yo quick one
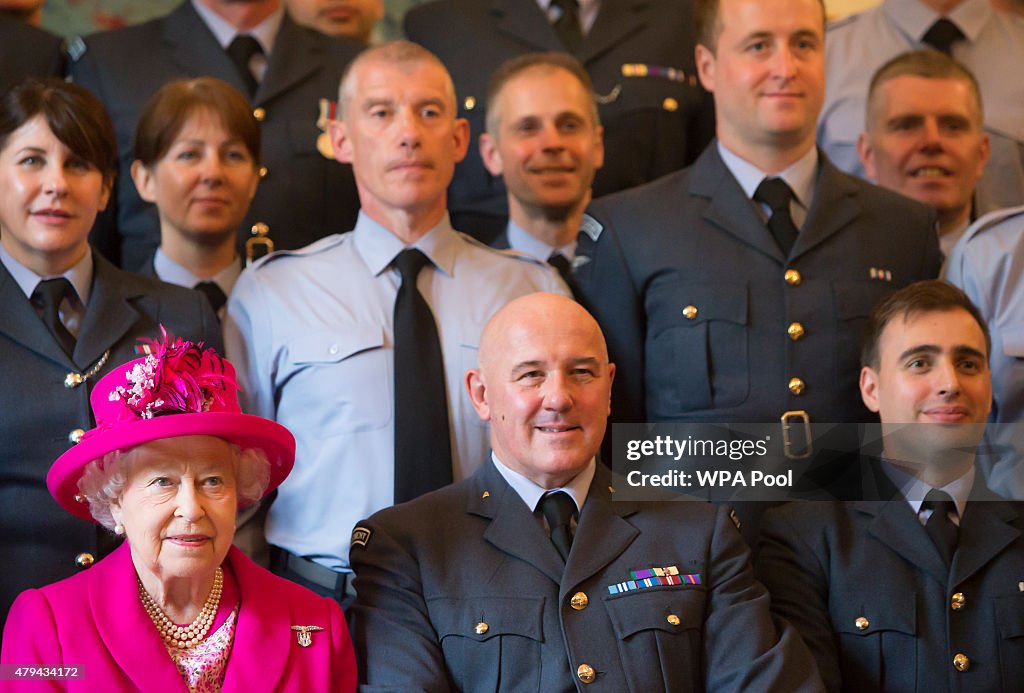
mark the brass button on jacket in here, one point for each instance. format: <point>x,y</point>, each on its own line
<point>579,601</point>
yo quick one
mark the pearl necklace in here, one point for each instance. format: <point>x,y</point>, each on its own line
<point>194,633</point>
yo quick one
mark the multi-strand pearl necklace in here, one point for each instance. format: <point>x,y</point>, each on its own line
<point>194,633</point>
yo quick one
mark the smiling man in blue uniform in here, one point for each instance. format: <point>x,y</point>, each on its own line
<point>528,577</point>
<point>915,585</point>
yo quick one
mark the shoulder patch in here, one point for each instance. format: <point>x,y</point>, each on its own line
<point>591,227</point>
<point>361,535</point>
<point>76,49</point>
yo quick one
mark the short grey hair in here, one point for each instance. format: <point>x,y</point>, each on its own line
<point>104,480</point>
<point>405,55</point>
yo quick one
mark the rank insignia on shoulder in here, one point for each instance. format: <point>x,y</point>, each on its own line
<point>735,518</point>
<point>361,535</point>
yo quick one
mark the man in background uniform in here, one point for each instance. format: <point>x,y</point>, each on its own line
<point>639,57</point>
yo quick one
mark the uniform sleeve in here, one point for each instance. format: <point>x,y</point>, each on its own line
<point>605,287</point>
<point>746,647</point>
<point>248,342</point>
<point>30,639</point>
<point>343,665</point>
<point>798,584</point>
<point>396,646</point>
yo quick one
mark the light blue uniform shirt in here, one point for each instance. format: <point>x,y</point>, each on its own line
<point>988,264</point>
<point>310,332</point>
<point>993,49</point>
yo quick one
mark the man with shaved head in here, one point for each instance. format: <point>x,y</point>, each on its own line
<point>510,580</point>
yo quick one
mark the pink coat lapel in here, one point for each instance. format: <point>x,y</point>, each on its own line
<point>124,626</point>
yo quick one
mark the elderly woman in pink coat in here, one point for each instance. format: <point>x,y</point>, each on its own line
<point>176,607</point>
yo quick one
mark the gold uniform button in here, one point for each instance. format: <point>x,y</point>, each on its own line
<point>796,386</point>
<point>73,380</point>
<point>76,435</point>
<point>469,103</point>
<point>579,601</point>
<point>260,114</point>
<point>84,560</point>
<point>670,105</point>
<point>958,601</point>
<point>795,331</point>
<point>481,628</point>
<point>862,623</point>
<point>792,277</point>
<point>672,619</point>
<point>961,662</point>
<point>690,312</point>
<point>585,672</point>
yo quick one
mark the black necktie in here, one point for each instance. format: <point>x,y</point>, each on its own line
<point>561,263</point>
<point>567,26</point>
<point>942,35</point>
<point>241,50</point>
<point>940,528</point>
<point>777,195</point>
<point>559,509</point>
<point>423,453</point>
<point>47,295</point>
<point>214,294</point>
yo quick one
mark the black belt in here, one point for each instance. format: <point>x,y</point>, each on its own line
<point>310,570</point>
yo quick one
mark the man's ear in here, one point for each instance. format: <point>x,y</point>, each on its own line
<point>705,67</point>
<point>869,388</point>
<point>491,156</point>
<point>340,141</point>
<point>477,389</point>
<point>866,153</point>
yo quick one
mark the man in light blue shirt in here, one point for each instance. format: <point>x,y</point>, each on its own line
<point>990,44</point>
<point>312,332</point>
<point>988,264</point>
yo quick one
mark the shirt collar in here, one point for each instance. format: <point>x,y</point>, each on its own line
<point>265,32</point>
<point>80,275</point>
<point>914,490</point>
<point>524,242</point>
<point>170,271</point>
<point>379,247</point>
<point>531,493</point>
<point>914,19</point>
<point>801,176</point>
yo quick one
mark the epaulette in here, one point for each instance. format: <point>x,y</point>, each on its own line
<point>841,22</point>
<point>313,248</point>
<point>991,221</point>
<point>503,252</point>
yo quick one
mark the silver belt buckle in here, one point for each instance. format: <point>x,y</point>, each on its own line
<point>788,419</point>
